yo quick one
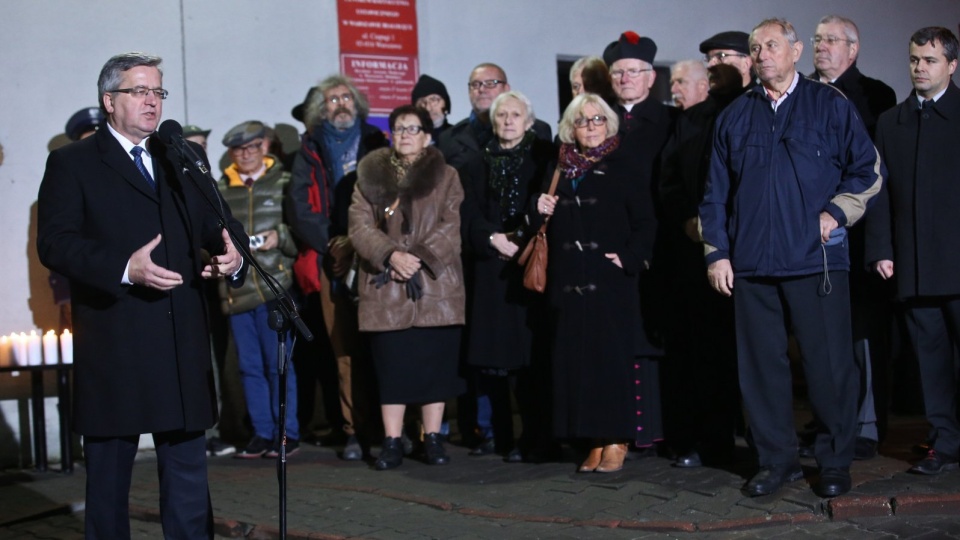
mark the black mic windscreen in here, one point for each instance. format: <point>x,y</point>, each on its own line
<point>170,131</point>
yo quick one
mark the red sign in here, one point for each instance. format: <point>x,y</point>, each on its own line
<point>378,49</point>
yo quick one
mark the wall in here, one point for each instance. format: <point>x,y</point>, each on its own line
<point>229,61</point>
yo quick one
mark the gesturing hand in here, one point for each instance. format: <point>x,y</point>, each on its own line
<point>142,271</point>
<point>224,265</point>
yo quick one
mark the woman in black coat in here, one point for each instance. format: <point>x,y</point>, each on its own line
<point>504,321</point>
<point>600,215</point>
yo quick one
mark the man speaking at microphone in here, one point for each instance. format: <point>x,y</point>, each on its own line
<point>119,217</point>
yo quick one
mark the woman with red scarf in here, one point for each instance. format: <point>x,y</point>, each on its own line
<point>599,217</point>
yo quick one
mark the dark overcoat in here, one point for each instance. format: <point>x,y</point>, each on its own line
<point>914,221</point>
<point>142,356</point>
<point>597,303</point>
<point>500,324</point>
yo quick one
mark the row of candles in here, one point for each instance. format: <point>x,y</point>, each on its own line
<point>35,350</point>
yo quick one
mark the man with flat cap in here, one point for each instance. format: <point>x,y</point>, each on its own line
<point>645,124</point>
<point>254,185</point>
<point>730,48</point>
<point>196,134</point>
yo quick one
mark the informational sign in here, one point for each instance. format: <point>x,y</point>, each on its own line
<point>379,51</point>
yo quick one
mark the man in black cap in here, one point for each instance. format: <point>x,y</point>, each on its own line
<point>645,123</point>
<point>431,95</point>
<point>83,123</point>
<point>730,48</point>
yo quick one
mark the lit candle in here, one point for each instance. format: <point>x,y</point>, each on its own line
<point>19,349</point>
<point>35,349</point>
<point>66,347</point>
<point>5,352</point>
<point>50,347</point>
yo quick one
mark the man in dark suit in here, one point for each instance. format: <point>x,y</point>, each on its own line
<point>912,229</point>
<point>119,218</point>
<point>836,47</point>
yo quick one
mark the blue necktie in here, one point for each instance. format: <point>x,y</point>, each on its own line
<point>138,161</point>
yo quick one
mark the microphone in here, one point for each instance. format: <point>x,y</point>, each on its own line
<point>171,134</point>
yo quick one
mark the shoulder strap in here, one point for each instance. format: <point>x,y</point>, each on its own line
<point>553,183</point>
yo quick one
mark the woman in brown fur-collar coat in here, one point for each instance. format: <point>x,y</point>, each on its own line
<point>405,226</point>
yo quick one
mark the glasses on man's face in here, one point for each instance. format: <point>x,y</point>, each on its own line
<point>342,98</point>
<point>597,121</point>
<point>722,56</point>
<point>631,73</point>
<point>829,40</point>
<point>141,92</point>
<point>249,148</point>
<point>413,130</point>
<point>489,83</point>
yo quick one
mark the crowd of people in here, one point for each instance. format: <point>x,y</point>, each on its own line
<point>687,244</point>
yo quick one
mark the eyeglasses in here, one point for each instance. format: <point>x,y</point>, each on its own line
<point>251,147</point>
<point>342,98</point>
<point>597,121</point>
<point>631,73</point>
<point>141,92</point>
<point>831,40</point>
<point>413,130</point>
<point>489,83</point>
<point>721,56</point>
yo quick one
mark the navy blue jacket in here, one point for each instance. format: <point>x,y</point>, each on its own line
<point>773,173</point>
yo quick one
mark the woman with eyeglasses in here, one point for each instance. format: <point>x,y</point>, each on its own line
<point>505,319</point>
<point>598,219</point>
<point>405,226</point>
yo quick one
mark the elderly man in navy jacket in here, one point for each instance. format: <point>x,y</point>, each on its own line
<point>792,167</point>
<point>911,234</point>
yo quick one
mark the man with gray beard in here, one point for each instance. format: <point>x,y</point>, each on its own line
<point>337,138</point>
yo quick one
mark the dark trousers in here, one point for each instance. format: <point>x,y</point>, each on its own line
<point>933,324</point>
<point>821,325</point>
<point>185,510</point>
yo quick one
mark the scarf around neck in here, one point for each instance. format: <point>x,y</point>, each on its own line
<point>504,165</point>
<point>574,163</point>
<point>340,148</point>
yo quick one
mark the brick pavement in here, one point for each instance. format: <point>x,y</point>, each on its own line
<point>486,498</point>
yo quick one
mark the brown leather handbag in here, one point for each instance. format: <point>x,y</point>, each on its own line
<point>534,255</point>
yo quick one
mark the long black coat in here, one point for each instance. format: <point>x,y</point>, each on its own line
<point>914,221</point>
<point>500,326</point>
<point>142,356</point>
<point>597,303</point>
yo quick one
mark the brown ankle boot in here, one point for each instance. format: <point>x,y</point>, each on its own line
<point>612,459</point>
<point>592,461</point>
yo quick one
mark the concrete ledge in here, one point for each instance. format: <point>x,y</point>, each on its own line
<point>916,505</point>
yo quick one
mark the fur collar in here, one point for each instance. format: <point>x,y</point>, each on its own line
<point>377,180</point>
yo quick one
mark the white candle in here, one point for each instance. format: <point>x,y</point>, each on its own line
<point>19,349</point>
<point>66,347</point>
<point>35,349</point>
<point>50,347</point>
<point>5,352</point>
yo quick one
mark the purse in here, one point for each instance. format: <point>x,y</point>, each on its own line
<point>534,255</point>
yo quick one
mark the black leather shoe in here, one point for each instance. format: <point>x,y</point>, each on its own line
<point>352,451</point>
<point>806,451</point>
<point>391,456</point>
<point>487,447</point>
<point>433,447</point>
<point>689,460</point>
<point>772,478</point>
<point>833,481</point>
<point>864,449</point>
<point>934,463</point>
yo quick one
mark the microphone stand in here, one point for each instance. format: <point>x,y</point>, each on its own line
<point>280,319</point>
